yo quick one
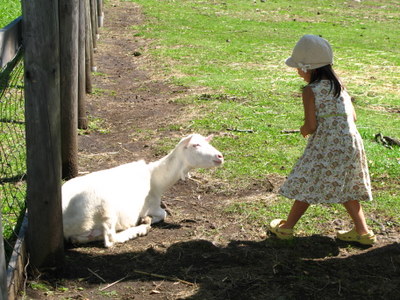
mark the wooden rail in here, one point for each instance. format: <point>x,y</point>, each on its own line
<point>10,41</point>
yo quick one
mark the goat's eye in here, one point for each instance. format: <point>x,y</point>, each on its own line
<point>196,145</point>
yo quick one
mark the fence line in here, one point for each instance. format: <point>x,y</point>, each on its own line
<point>13,118</point>
<point>12,160</point>
<point>3,268</point>
<point>12,150</point>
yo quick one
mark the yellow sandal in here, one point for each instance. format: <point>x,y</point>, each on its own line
<point>353,236</point>
<point>281,233</point>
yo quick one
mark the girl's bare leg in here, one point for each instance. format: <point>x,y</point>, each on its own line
<point>357,214</point>
<point>297,210</point>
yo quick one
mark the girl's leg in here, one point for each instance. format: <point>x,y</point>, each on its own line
<point>297,210</point>
<point>356,213</point>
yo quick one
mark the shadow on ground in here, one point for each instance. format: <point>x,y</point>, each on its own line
<point>306,268</point>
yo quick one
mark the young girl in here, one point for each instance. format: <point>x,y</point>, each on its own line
<point>333,168</point>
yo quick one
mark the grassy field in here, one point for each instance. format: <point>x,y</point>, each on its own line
<point>233,53</point>
<point>9,10</point>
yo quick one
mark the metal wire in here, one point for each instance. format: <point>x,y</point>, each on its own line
<point>12,150</point>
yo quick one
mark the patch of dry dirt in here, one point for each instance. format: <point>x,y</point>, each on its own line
<point>201,251</point>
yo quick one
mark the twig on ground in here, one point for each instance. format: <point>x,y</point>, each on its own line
<point>379,223</point>
<point>164,277</point>
<point>97,275</point>
<point>166,208</point>
<point>26,273</point>
<point>123,148</point>
<point>240,130</point>
<point>111,284</point>
<point>83,172</point>
<point>393,265</point>
<point>100,154</point>
<point>340,288</point>
<point>195,180</point>
<point>290,131</point>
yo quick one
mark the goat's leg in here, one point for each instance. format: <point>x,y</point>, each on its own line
<point>109,233</point>
<point>166,208</point>
<point>146,220</point>
<point>88,236</point>
<point>111,236</point>
<point>157,214</point>
<point>133,232</point>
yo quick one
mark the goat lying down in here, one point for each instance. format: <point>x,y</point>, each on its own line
<point>120,203</point>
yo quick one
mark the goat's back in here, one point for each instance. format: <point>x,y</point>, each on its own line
<point>117,193</point>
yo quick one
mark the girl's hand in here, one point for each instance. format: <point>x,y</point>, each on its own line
<point>303,131</point>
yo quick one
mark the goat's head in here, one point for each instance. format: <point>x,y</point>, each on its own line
<point>198,152</point>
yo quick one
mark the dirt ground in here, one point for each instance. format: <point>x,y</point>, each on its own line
<point>200,251</point>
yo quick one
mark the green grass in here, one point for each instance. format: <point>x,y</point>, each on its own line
<point>9,10</point>
<point>236,49</point>
<point>95,125</point>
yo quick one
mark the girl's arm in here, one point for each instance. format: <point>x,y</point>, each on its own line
<point>354,112</point>
<point>310,119</point>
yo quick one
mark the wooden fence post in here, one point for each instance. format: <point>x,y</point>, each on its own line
<point>100,13</point>
<point>42,113</point>
<point>82,118</point>
<point>93,20</point>
<point>88,48</point>
<point>69,24</point>
<point>3,267</point>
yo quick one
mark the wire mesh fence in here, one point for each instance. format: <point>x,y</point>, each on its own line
<point>12,150</point>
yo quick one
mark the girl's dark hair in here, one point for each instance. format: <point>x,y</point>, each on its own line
<point>326,72</point>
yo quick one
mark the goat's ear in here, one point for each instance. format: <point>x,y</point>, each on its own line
<point>209,138</point>
<point>186,140</point>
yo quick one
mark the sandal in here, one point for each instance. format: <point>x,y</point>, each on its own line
<point>353,236</point>
<point>281,233</point>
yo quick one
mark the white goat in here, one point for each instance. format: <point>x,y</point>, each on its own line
<point>120,203</point>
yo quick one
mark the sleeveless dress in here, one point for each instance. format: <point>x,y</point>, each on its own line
<point>333,167</point>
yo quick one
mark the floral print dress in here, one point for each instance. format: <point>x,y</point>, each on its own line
<point>333,167</point>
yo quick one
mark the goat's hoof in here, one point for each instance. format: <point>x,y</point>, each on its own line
<point>108,245</point>
<point>146,220</point>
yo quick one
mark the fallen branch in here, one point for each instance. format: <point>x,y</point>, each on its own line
<point>290,131</point>
<point>164,277</point>
<point>379,223</point>
<point>111,284</point>
<point>26,273</point>
<point>97,275</point>
<point>241,130</point>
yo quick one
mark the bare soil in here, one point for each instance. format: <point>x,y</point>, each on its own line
<point>201,251</point>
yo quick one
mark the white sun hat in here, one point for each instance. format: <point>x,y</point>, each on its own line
<point>311,52</point>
